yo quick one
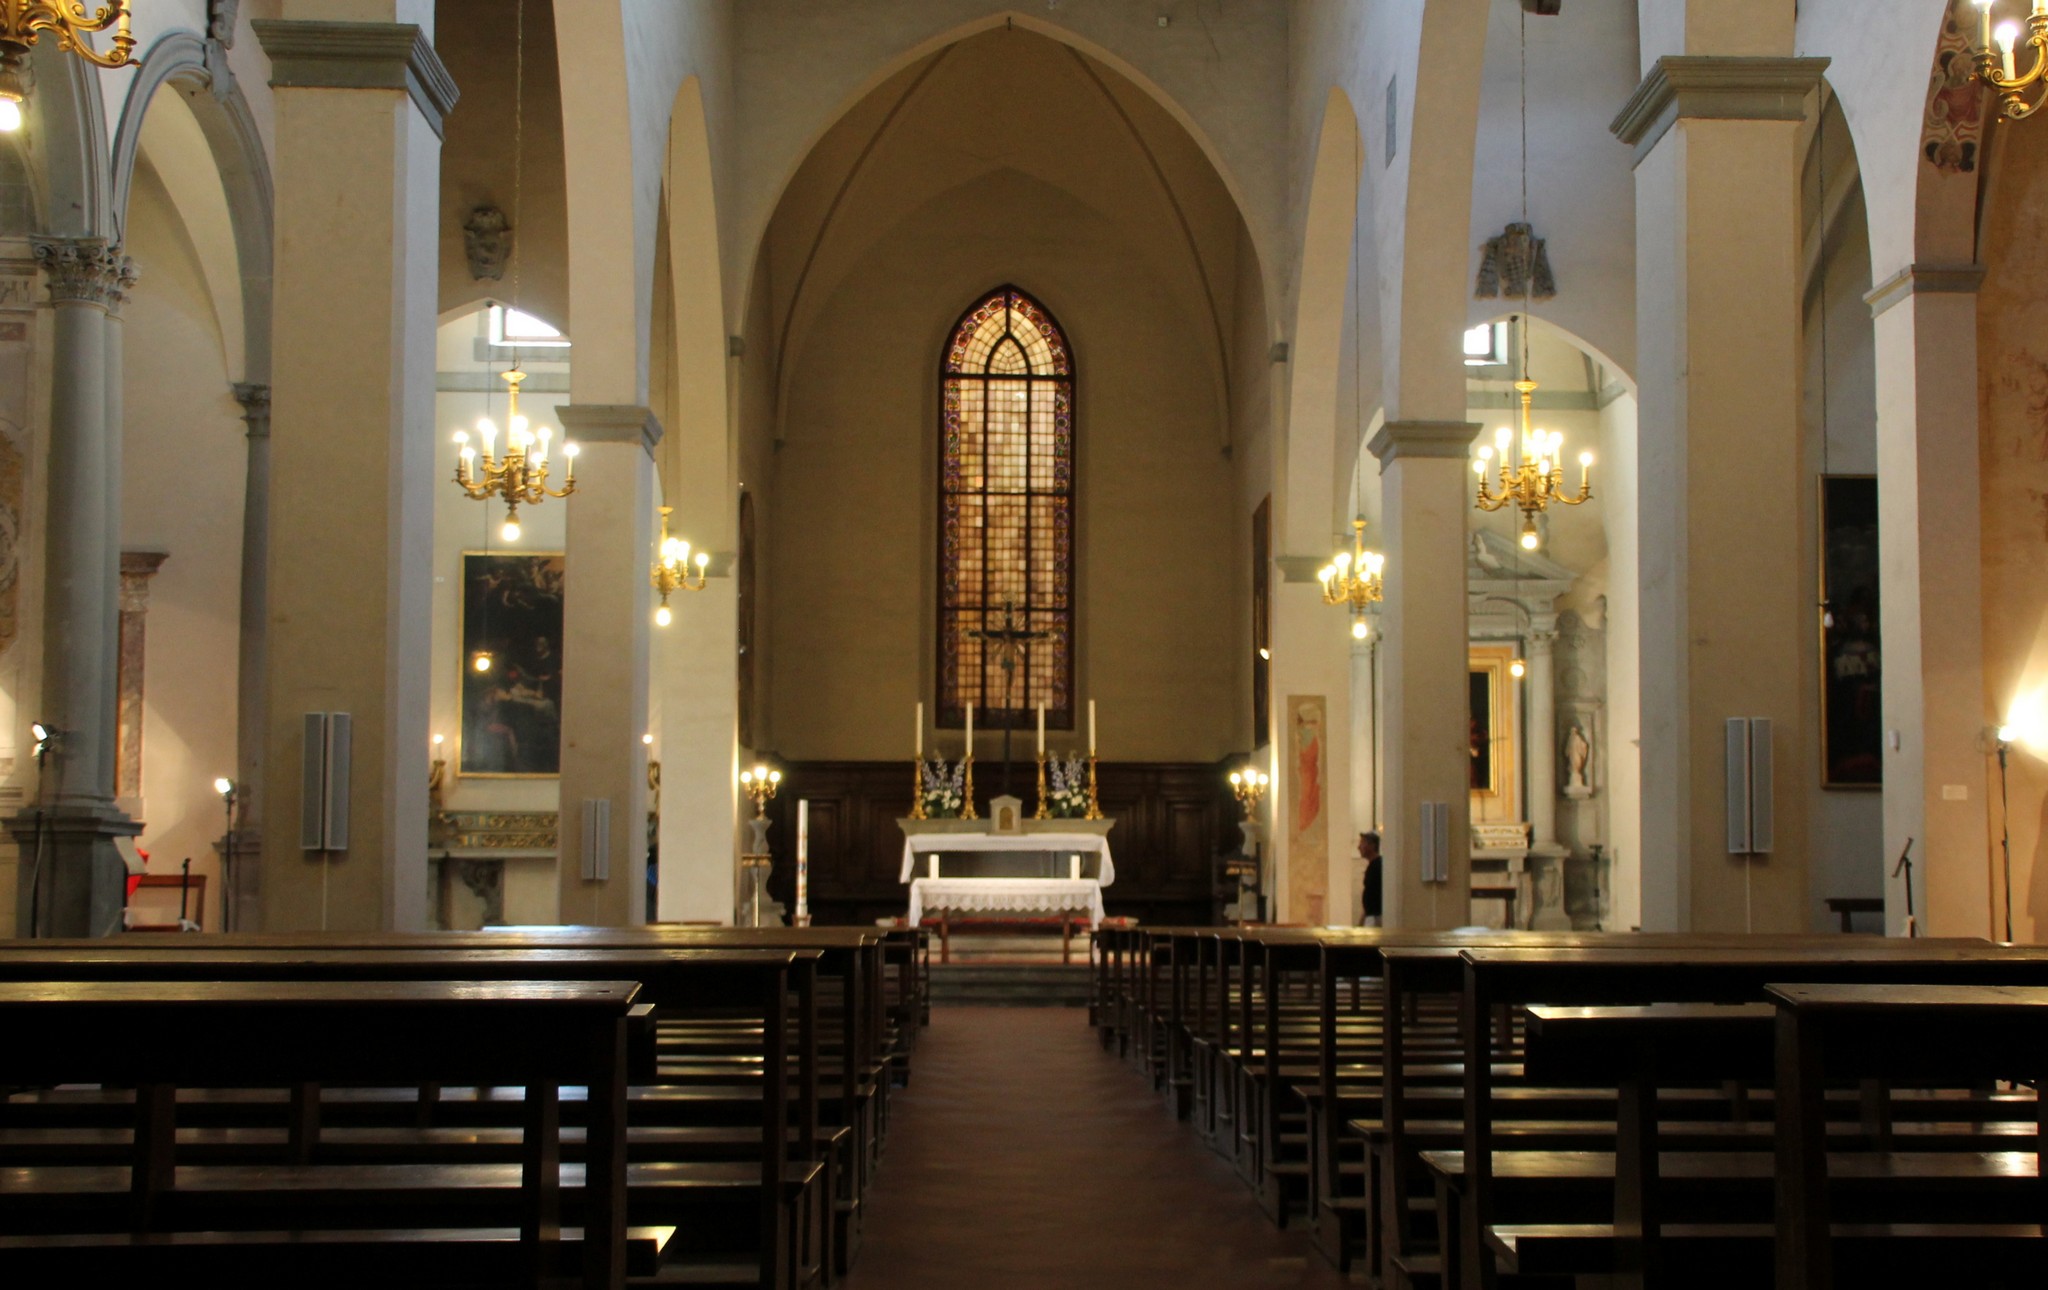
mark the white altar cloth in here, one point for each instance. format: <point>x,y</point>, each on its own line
<point>1006,896</point>
<point>1058,843</point>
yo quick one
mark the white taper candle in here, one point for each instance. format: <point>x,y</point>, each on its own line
<point>920,729</point>
<point>1041,728</point>
<point>1091,727</point>
<point>803,858</point>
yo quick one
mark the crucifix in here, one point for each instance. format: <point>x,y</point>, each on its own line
<point>1009,642</point>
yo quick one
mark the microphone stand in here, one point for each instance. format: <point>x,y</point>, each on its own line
<point>44,747</point>
<point>1905,867</point>
<point>2005,836</point>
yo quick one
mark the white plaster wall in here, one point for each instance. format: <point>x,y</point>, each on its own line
<point>1582,65</point>
<point>1624,770</point>
<point>182,469</point>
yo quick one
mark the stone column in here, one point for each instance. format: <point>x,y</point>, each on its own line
<point>137,568</point>
<point>350,571</point>
<point>242,854</point>
<point>1931,598</point>
<point>699,718</point>
<point>1724,486</point>
<point>71,877</point>
<point>605,652</point>
<point>1540,743</point>
<point>1424,654</point>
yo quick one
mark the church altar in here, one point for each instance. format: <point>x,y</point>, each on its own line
<point>1077,866</point>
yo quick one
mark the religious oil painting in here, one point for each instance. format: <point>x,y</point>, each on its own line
<point>1483,727</point>
<point>511,665</point>
<point>1308,822</point>
<point>1852,710</point>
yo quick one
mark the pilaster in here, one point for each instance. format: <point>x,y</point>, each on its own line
<point>1424,503</point>
<point>244,847</point>
<point>1721,471</point>
<point>1930,597</point>
<point>604,693</point>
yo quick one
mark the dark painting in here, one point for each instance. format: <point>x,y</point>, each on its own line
<point>1262,622</point>
<point>1481,729</point>
<point>512,709</point>
<point>1852,707</point>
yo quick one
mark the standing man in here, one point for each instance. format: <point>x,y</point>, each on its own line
<point>1369,848</point>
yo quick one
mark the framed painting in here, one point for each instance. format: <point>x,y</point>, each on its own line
<point>511,633</point>
<point>1492,729</point>
<point>1852,674</point>
<point>1262,622</point>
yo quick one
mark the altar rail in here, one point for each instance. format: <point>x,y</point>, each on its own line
<point>1172,820</point>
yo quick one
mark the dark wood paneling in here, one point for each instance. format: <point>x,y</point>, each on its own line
<point>1172,820</point>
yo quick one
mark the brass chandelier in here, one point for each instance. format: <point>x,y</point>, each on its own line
<point>672,569</point>
<point>1531,467</point>
<point>1354,578</point>
<point>1999,69</point>
<point>22,24</point>
<point>520,475</point>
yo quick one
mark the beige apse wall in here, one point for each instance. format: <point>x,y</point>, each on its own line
<point>928,195</point>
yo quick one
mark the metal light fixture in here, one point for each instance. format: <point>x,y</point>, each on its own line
<point>22,24</point>
<point>1999,68</point>
<point>672,569</point>
<point>1531,467</point>
<point>1249,785</point>
<point>521,474</point>
<point>760,783</point>
<point>1354,578</point>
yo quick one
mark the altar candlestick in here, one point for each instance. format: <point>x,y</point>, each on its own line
<point>920,729</point>
<point>1091,727</point>
<point>1074,868</point>
<point>1041,728</point>
<point>970,728</point>
<point>803,858</point>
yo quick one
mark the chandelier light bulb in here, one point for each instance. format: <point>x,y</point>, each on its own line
<point>224,786</point>
<point>2007,35</point>
<point>570,449</point>
<point>1505,437</point>
<point>10,114</point>
<point>662,617</point>
<point>1529,540</point>
<point>1236,778</point>
<point>647,739</point>
<point>1359,631</point>
<point>461,437</point>
<point>438,741</point>
<point>511,531</point>
<point>1518,669</point>
<point>703,560</point>
<point>483,661</point>
<point>1585,459</point>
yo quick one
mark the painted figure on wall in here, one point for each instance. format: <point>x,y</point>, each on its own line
<point>1308,849</point>
<point>1308,759</point>
<point>512,709</point>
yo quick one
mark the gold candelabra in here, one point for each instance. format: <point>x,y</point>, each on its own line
<point>760,783</point>
<point>22,24</point>
<point>1041,813</point>
<point>967,811</point>
<point>1999,68</point>
<point>917,811</point>
<point>1536,480</point>
<point>1250,786</point>
<point>672,569</point>
<point>1354,578</point>
<point>521,474</point>
<point>1094,801</point>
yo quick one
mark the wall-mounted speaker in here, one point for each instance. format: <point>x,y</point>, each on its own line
<point>597,839</point>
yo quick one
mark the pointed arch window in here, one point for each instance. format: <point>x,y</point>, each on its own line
<point>1006,516</point>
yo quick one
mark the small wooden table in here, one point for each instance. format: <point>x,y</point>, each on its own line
<point>1843,906</point>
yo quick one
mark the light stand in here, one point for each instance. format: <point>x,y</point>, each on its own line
<point>226,788</point>
<point>47,738</point>
<point>1905,867</point>
<point>2005,825</point>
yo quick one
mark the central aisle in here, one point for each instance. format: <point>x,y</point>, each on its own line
<point>1022,1155</point>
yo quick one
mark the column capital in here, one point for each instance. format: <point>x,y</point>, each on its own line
<point>90,270</point>
<point>255,400</point>
<point>1935,279</point>
<point>1707,87</point>
<point>306,54</point>
<point>1397,439</point>
<point>611,423</point>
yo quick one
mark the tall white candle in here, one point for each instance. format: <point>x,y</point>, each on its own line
<point>1091,727</point>
<point>970,729</point>
<point>803,858</point>
<point>920,729</point>
<point>1041,728</point>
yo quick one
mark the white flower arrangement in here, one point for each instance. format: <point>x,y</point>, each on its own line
<point>1066,794</point>
<point>943,785</point>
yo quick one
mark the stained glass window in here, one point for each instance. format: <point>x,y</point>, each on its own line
<point>1006,517</point>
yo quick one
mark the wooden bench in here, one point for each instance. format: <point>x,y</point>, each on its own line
<point>160,1036</point>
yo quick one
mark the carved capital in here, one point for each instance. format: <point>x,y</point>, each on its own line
<point>1397,439</point>
<point>1703,87</point>
<point>359,56</point>
<point>137,568</point>
<point>255,401</point>
<point>91,270</point>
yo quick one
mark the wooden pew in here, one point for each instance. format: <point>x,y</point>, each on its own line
<point>159,1036</point>
<point>1671,972</point>
<point>674,982</point>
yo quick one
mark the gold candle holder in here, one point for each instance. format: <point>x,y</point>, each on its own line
<point>1041,813</point>
<point>917,790</point>
<point>967,811</point>
<point>1094,802</point>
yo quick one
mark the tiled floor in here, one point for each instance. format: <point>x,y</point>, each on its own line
<point>1023,1156</point>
